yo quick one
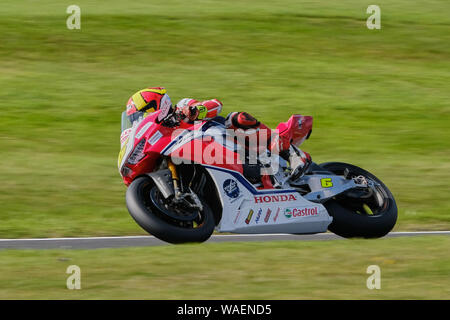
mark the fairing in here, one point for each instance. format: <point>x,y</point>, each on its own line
<point>246,209</point>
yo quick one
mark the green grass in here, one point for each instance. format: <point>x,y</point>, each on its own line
<point>379,97</point>
<point>411,268</point>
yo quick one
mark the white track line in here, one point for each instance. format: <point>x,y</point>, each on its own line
<point>214,236</point>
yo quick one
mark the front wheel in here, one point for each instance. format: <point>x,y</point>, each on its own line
<point>166,220</point>
<point>364,213</point>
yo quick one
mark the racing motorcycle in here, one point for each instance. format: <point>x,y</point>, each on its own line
<point>178,195</point>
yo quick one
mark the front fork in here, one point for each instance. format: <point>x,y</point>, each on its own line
<point>175,178</point>
<point>187,197</point>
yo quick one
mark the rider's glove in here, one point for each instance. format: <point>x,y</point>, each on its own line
<point>190,112</point>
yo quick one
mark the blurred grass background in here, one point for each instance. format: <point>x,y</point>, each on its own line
<point>248,270</point>
<point>380,98</point>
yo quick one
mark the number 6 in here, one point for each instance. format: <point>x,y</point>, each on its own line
<point>326,182</point>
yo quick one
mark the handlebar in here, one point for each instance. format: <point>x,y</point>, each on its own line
<point>172,120</point>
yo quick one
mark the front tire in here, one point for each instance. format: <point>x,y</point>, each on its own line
<point>153,220</point>
<point>349,218</point>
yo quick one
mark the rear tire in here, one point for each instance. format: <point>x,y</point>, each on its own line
<point>350,224</point>
<point>149,217</point>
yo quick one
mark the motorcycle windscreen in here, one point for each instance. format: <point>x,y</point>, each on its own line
<point>125,122</point>
<point>128,120</point>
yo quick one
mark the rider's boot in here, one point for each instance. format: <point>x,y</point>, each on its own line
<point>299,161</point>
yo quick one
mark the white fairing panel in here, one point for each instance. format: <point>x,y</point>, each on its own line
<point>248,210</point>
<point>127,144</point>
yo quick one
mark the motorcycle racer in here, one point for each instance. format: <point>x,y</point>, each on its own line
<point>186,179</point>
<point>149,100</point>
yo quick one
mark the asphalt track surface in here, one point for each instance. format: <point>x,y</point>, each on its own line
<point>149,241</point>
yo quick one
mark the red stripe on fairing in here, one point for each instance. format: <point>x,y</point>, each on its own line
<point>230,160</point>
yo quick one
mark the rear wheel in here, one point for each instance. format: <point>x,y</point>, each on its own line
<point>166,219</point>
<point>365,212</point>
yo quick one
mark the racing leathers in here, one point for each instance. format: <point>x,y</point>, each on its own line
<point>299,160</point>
